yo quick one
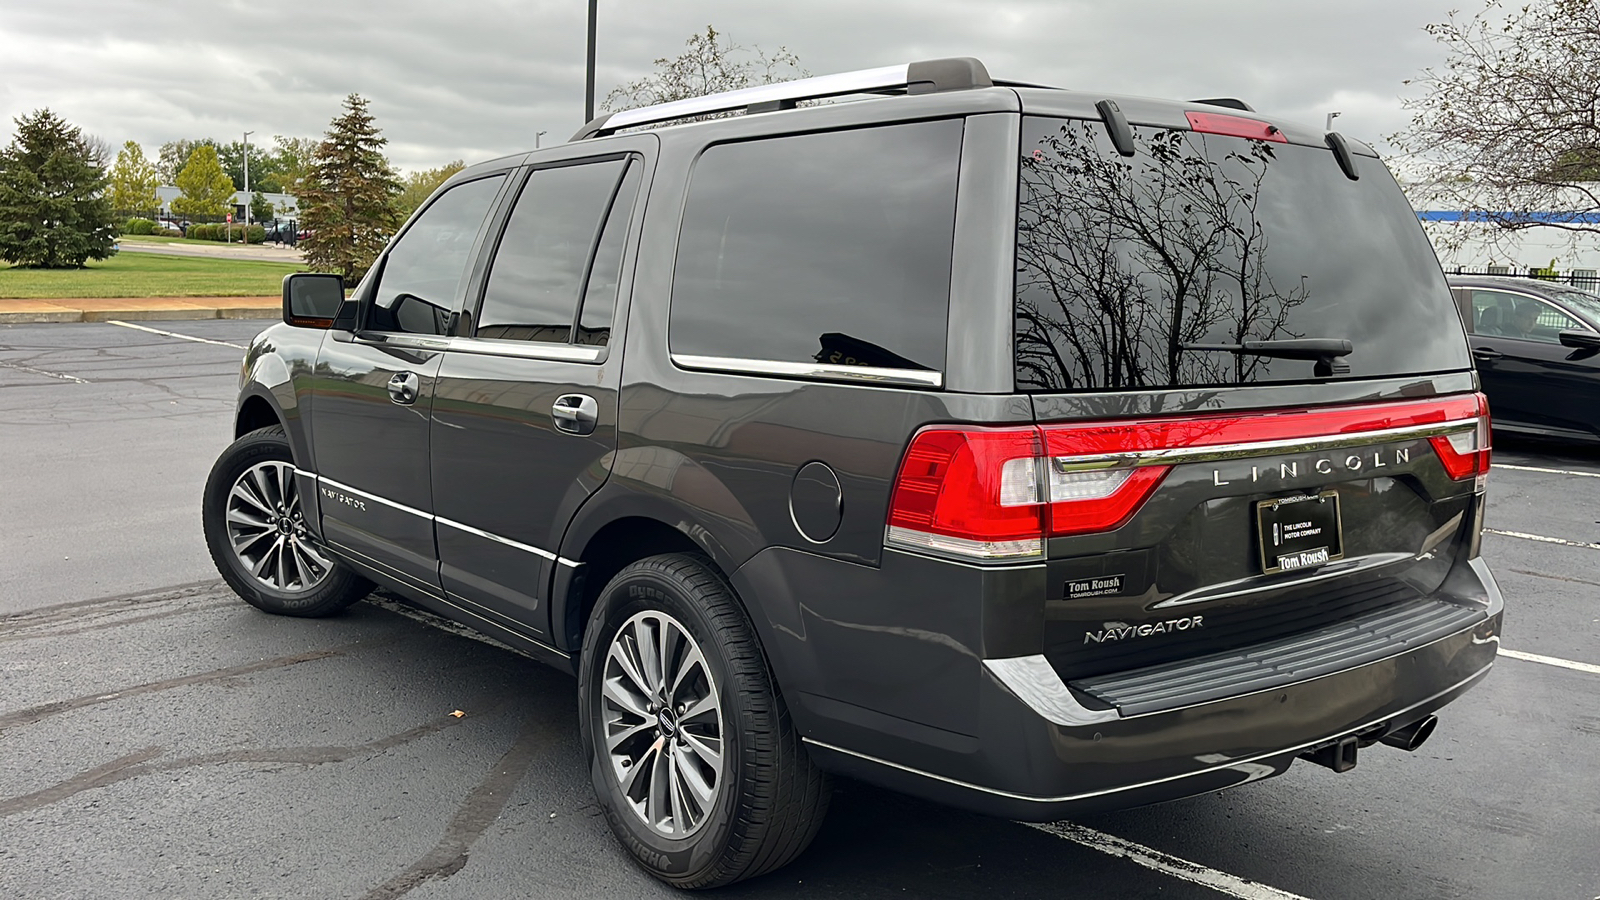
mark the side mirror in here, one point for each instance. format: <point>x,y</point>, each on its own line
<point>1580,340</point>
<point>312,300</point>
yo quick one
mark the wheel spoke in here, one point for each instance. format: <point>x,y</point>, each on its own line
<point>245,492</point>
<point>283,578</point>
<point>243,543</point>
<point>263,486</point>
<point>261,564</point>
<point>655,797</point>
<point>248,518</point>
<point>689,777</point>
<point>614,690</point>
<point>629,667</point>
<point>649,661</point>
<point>703,748</point>
<point>616,739</point>
<point>706,704</point>
<point>629,776</point>
<point>680,820</point>
<point>318,561</point>
<point>692,660</point>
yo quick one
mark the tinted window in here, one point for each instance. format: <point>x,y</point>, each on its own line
<point>532,293</point>
<point>423,271</point>
<point>1205,239</point>
<point>1514,315</point>
<point>832,248</point>
<point>600,296</point>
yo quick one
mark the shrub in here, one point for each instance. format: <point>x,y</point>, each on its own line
<point>205,231</point>
<point>168,232</point>
<point>137,225</point>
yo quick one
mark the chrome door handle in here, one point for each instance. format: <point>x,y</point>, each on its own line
<point>575,413</point>
<point>403,388</point>
<point>1487,354</point>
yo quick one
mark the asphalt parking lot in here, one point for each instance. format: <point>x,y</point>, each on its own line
<point>162,739</point>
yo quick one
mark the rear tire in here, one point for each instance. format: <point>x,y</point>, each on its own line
<point>256,531</point>
<point>692,752</point>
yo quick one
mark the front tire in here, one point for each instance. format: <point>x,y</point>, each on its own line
<point>691,750</point>
<point>256,531</point>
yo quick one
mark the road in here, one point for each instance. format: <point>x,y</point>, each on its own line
<point>165,740</point>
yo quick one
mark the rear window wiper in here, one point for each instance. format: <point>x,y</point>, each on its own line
<point>1324,351</point>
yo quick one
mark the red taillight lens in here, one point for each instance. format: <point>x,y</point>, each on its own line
<point>1235,126</point>
<point>963,491</point>
<point>1465,454</point>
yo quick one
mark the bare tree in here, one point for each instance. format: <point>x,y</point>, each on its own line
<point>712,64</point>
<point>1506,131</point>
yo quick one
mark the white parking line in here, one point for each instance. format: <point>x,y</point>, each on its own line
<point>1587,668</point>
<point>1543,469</point>
<point>1182,869</point>
<point>174,334</point>
<point>22,368</point>
<point>1542,539</point>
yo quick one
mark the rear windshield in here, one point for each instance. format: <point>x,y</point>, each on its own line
<point>1206,239</point>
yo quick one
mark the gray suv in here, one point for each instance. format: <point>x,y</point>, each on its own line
<point>1025,449</point>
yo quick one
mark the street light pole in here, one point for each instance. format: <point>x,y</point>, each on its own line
<point>1327,124</point>
<point>247,186</point>
<point>588,90</point>
<point>537,137</point>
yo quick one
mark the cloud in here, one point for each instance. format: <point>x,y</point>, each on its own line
<point>473,80</point>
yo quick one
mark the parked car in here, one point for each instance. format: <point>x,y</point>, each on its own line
<point>1029,450</point>
<point>1537,346</point>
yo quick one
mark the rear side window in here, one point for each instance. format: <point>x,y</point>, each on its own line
<point>1208,239</point>
<point>831,248</point>
<point>543,258</point>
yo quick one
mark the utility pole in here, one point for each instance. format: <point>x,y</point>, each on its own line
<point>588,89</point>
<point>247,186</point>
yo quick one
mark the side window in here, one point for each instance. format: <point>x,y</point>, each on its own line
<point>545,254</point>
<point>831,248</point>
<point>1513,315</point>
<point>600,297</point>
<point>424,269</point>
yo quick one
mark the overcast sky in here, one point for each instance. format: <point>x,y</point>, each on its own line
<point>474,79</point>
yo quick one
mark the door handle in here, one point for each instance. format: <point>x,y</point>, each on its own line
<point>403,388</point>
<point>1486,354</point>
<point>575,413</point>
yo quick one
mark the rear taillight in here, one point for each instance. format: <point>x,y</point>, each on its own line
<point>999,493</point>
<point>1465,453</point>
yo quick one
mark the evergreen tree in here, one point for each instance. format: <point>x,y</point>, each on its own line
<point>53,209</point>
<point>207,190</point>
<point>134,182</point>
<point>347,198</point>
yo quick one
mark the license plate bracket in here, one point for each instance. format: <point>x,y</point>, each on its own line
<point>1299,532</point>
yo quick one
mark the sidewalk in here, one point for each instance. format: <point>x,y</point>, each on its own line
<point>139,309</point>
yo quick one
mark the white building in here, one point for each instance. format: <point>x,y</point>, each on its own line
<point>284,206</point>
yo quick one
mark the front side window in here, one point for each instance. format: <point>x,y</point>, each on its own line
<point>832,248</point>
<point>1514,315</point>
<point>424,269</point>
<point>540,267</point>
<point>1126,264</point>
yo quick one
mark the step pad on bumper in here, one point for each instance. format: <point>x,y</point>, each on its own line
<point>1346,645</point>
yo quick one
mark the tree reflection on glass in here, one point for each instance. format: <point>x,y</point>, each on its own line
<point>1122,261</point>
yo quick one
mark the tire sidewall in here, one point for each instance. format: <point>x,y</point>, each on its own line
<point>675,860</point>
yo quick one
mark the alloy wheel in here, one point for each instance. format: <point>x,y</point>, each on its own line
<point>267,528</point>
<point>662,724</point>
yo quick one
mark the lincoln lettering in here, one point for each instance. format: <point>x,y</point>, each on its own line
<point>1354,462</point>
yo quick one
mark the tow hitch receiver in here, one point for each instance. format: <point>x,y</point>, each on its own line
<point>1339,756</point>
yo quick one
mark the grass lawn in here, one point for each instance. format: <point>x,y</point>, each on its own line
<point>149,275</point>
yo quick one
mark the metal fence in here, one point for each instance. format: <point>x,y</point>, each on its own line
<point>1585,279</point>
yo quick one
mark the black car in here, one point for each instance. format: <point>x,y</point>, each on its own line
<point>1030,450</point>
<point>1537,345</point>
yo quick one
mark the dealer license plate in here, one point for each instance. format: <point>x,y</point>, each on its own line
<point>1299,532</point>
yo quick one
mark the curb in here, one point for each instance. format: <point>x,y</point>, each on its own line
<point>59,313</point>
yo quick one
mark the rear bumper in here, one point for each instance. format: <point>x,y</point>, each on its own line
<point>1037,753</point>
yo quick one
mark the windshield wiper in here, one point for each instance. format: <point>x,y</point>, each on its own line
<point>1324,351</point>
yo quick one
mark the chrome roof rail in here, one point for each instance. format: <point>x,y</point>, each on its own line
<point>926,77</point>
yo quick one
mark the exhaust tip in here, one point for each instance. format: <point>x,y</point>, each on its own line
<point>1410,737</point>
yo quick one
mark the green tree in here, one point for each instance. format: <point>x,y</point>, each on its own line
<point>174,155</point>
<point>418,186</point>
<point>260,207</point>
<point>290,160</point>
<point>53,209</point>
<point>134,182</point>
<point>347,198</point>
<point>207,190</point>
<point>712,64</point>
<point>1506,129</point>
